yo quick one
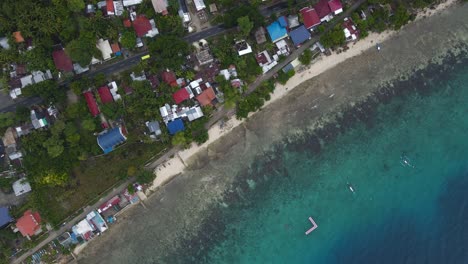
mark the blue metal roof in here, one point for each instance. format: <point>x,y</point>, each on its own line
<point>277,30</point>
<point>110,139</point>
<point>175,126</point>
<point>299,35</point>
<point>5,217</point>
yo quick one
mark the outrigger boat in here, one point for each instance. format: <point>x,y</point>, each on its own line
<point>350,187</point>
<point>406,162</point>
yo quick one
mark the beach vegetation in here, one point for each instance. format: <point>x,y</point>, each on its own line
<point>255,100</point>
<point>306,57</point>
<point>145,177</point>
<point>179,139</point>
<point>333,38</point>
<point>283,77</point>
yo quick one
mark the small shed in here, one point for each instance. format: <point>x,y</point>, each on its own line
<point>154,129</point>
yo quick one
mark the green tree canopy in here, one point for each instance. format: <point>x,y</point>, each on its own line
<point>88,124</point>
<point>170,51</point>
<point>245,25</point>
<point>128,40</point>
<point>306,57</point>
<point>179,139</point>
<point>83,49</point>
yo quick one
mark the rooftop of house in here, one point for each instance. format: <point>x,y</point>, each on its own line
<point>299,35</point>
<point>322,8</point>
<point>310,17</point>
<point>29,223</point>
<point>293,21</point>
<point>154,127</point>
<point>335,5</point>
<point>21,186</point>
<point>208,73</point>
<point>175,126</point>
<point>18,37</point>
<point>278,29</point>
<point>105,95</point>
<point>5,217</point>
<point>62,61</point>
<point>142,26</point>
<point>91,102</point>
<point>206,97</point>
<point>204,56</point>
<point>181,95</point>
<point>111,138</point>
<point>160,6</point>
<point>243,47</point>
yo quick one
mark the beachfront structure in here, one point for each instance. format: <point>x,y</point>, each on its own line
<point>278,29</point>
<point>310,17</point>
<point>93,223</point>
<point>350,30</point>
<point>109,139</point>
<point>299,35</point>
<point>29,224</point>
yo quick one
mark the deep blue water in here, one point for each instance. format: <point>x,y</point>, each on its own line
<point>398,214</point>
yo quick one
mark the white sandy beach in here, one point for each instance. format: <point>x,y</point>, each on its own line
<point>177,164</point>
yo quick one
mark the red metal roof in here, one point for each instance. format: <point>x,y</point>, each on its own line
<point>105,95</point>
<point>92,105</point>
<point>62,61</point>
<point>115,47</point>
<point>181,95</point>
<point>113,201</point>
<point>206,97</point>
<point>141,26</point>
<point>322,8</point>
<point>335,5</point>
<point>310,17</point>
<point>110,7</point>
<point>169,78</point>
<point>29,223</point>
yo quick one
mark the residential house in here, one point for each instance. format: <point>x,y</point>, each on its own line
<point>91,102</point>
<point>141,77</point>
<point>110,10</point>
<point>175,126</point>
<point>90,9</point>
<point>9,141</point>
<point>350,30</point>
<point>229,73</point>
<point>243,47</point>
<point>260,35</point>
<point>5,217</point>
<point>114,89</point>
<point>283,48</point>
<point>78,69</point>
<point>160,6</point>
<point>208,73</point>
<point>169,77</point>
<point>199,5</point>
<point>21,187</point>
<point>131,2</point>
<point>265,61</point>
<point>105,95</point>
<point>174,113</point>
<point>39,118</point>
<point>29,224</point>
<point>326,9</point>
<point>88,227</point>
<point>105,49</point>
<point>145,27</point>
<point>114,8</point>
<point>4,43</point>
<point>213,8</point>
<point>206,97</point>
<point>184,11</point>
<point>153,128</point>
<point>182,94</point>
<point>203,54</point>
<point>109,139</point>
<point>299,35</point>
<point>62,61</point>
<point>278,29</point>
<point>293,21</point>
<point>154,81</point>
<point>310,17</point>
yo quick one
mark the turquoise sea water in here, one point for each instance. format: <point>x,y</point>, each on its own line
<point>398,214</point>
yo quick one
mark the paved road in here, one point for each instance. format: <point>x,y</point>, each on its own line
<point>216,117</point>
<point>10,105</point>
<point>54,234</point>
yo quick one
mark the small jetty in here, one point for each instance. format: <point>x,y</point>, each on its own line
<point>314,226</point>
